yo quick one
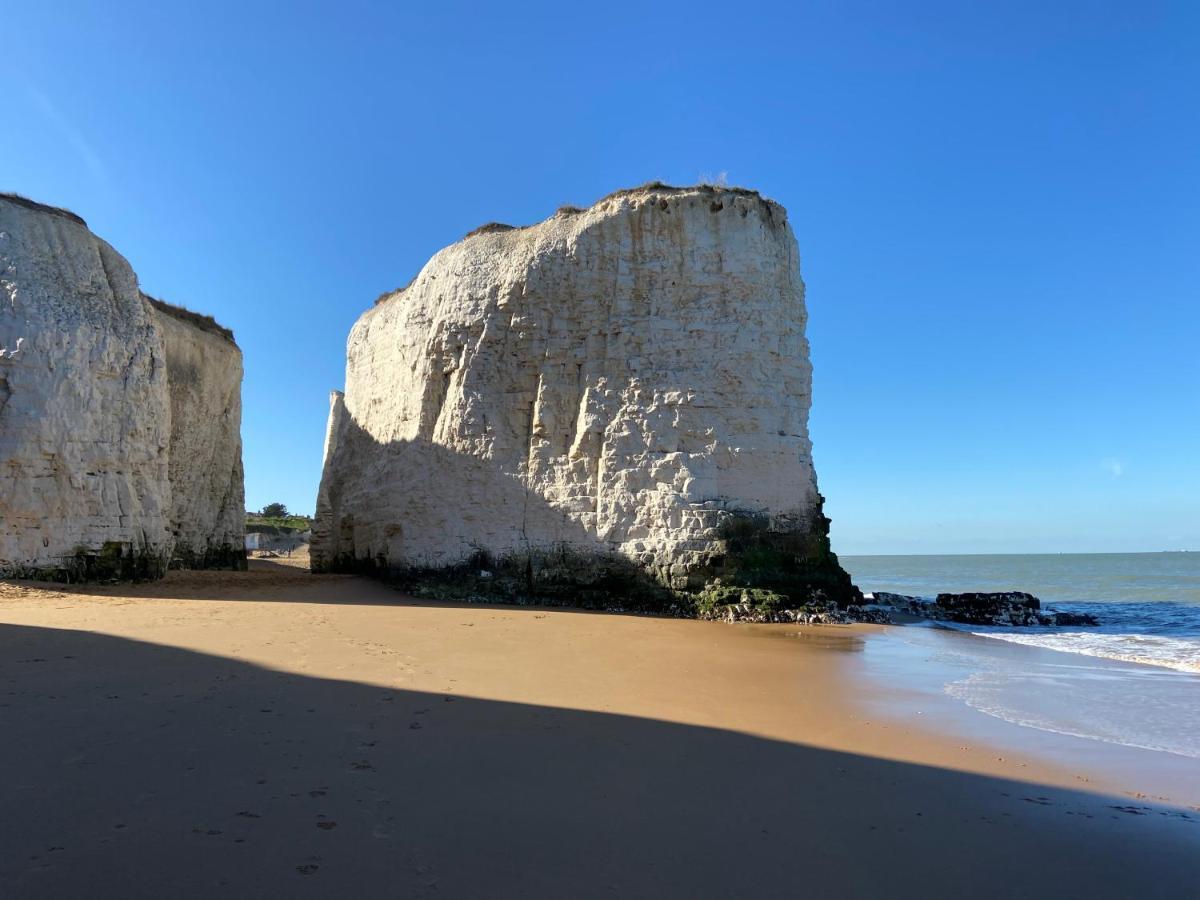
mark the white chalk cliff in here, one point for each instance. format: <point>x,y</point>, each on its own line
<point>204,373</point>
<point>88,451</point>
<point>626,380</point>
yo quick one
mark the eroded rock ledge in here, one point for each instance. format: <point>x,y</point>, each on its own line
<point>120,450</point>
<point>609,407</point>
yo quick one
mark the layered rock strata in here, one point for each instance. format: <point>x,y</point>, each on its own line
<point>613,394</point>
<point>86,425</point>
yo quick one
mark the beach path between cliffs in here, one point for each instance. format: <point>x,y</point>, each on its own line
<point>276,733</point>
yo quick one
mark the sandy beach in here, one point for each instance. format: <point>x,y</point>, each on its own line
<point>276,733</point>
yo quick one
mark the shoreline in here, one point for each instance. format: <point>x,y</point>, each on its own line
<point>516,750</point>
<point>920,667</point>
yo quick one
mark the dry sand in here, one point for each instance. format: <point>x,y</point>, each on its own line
<point>274,733</point>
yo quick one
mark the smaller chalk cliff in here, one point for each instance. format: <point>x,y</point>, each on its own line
<point>204,372</point>
<point>610,404</point>
<point>86,426</point>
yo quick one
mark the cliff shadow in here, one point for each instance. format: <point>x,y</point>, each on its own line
<point>139,770</point>
<point>515,545</point>
<point>266,581</point>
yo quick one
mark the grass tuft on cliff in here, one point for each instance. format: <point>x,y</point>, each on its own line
<point>199,320</point>
<point>491,228</point>
<point>20,200</point>
<point>664,188</point>
<point>392,293</point>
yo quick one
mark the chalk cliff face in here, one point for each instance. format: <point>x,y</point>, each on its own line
<point>85,408</point>
<point>204,372</point>
<point>630,381</point>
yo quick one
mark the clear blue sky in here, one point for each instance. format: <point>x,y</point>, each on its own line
<point>998,210</point>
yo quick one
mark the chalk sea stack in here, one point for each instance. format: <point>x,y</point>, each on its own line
<point>610,406</point>
<point>120,415</point>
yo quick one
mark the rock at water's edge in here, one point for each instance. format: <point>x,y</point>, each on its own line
<point>1005,608</point>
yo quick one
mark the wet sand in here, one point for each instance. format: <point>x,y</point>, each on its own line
<point>274,733</point>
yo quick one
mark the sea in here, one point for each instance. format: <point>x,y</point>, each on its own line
<point>1133,680</point>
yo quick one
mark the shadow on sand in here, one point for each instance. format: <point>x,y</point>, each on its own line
<point>138,770</point>
<point>270,581</point>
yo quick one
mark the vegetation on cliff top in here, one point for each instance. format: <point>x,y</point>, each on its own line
<point>568,209</point>
<point>43,207</point>
<point>663,188</point>
<point>199,320</point>
<point>492,227</point>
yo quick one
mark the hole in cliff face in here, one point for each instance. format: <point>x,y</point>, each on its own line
<point>716,206</point>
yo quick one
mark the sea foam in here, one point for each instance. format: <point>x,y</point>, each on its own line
<point>1180,654</point>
